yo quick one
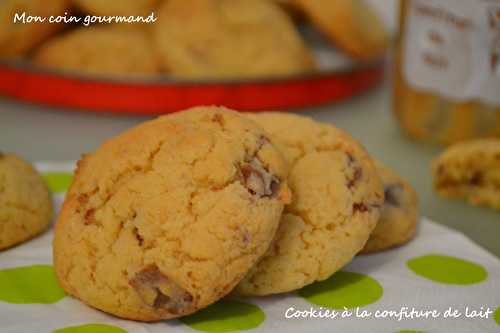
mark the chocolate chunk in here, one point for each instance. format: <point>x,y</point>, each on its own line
<point>89,217</point>
<point>139,238</point>
<point>358,172</point>
<point>476,179</point>
<point>350,158</point>
<point>158,291</point>
<point>218,118</point>
<point>262,141</point>
<point>356,177</point>
<point>161,300</point>
<point>83,199</point>
<point>391,196</point>
<point>258,180</point>
<point>359,207</point>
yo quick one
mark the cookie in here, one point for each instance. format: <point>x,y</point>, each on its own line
<point>169,216</point>
<point>100,50</point>
<point>25,202</point>
<point>470,170</point>
<point>336,201</point>
<point>116,8</point>
<point>351,24</point>
<point>17,39</point>
<point>229,39</point>
<point>399,215</point>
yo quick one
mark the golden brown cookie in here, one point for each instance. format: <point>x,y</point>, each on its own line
<point>399,217</point>
<point>169,216</point>
<point>229,39</point>
<point>337,197</point>
<point>25,202</point>
<point>351,24</point>
<point>117,8</point>
<point>17,39</point>
<point>100,50</point>
<point>470,170</point>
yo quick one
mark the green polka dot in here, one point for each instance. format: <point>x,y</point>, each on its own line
<point>226,316</point>
<point>449,270</point>
<point>91,328</point>
<point>58,181</point>
<point>343,289</point>
<point>29,284</point>
<point>496,316</point>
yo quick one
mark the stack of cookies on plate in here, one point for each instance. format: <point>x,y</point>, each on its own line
<point>179,212</point>
<point>194,39</point>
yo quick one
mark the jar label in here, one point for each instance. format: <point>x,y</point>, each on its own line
<point>452,48</point>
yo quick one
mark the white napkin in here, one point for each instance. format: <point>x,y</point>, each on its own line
<point>441,270</point>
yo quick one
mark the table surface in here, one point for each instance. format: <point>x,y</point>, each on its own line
<point>44,133</point>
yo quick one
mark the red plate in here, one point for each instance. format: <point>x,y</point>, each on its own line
<point>158,96</point>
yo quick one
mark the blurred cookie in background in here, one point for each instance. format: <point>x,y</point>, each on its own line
<point>112,8</point>
<point>399,216</point>
<point>352,25</point>
<point>229,39</point>
<point>100,50</point>
<point>17,39</point>
<point>25,202</point>
<point>470,170</point>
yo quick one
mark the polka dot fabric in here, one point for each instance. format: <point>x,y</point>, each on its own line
<point>440,269</point>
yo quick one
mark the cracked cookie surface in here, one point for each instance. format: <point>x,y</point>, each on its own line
<point>399,216</point>
<point>169,216</point>
<point>229,39</point>
<point>336,199</point>
<point>470,170</point>
<point>25,201</point>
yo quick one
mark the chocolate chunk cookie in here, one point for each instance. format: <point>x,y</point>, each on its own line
<point>470,170</point>
<point>337,198</point>
<point>169,216</point>
<point>25,202</point>
<point>399,217</point>
<point>229,39</point>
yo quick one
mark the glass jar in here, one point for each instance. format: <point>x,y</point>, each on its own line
<point>447,75</point>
